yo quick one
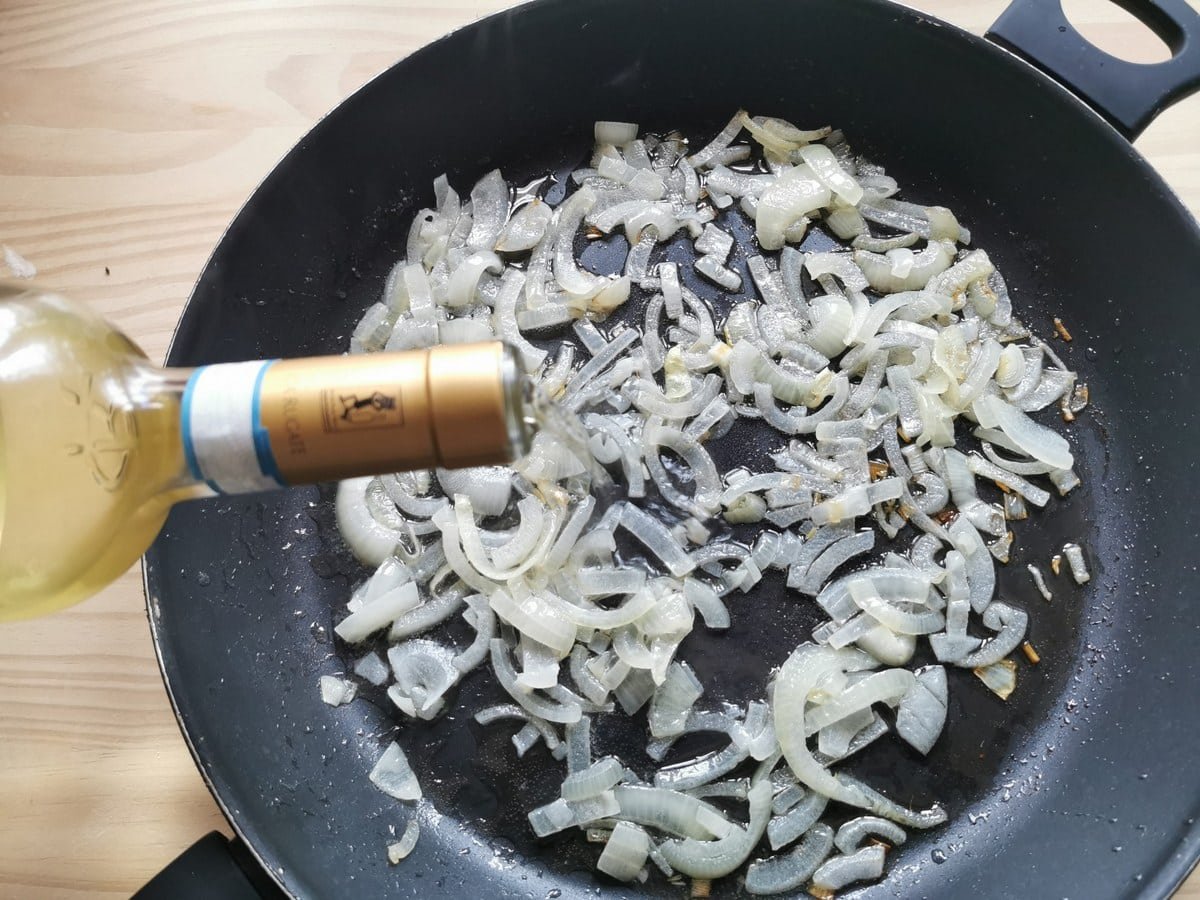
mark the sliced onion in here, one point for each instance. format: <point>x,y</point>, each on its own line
<point>832,559</point>
<point>489,207</point>
<point>704,501</point>
<point>852,834</point>
<point>532,702</point>
<point>862,375</point>
<point>673,700</point>
<point>1079,570</point>
<point>722,140</point>
<point>800,818</point>
<point>526,228</point>
<point>372,669</point>
<point>625,853</point>
<point>568,275</point>
<point>424,671</point>
<point>793,195</point>
<point>826,168</point>
<point>657,539</point>
<point>394,776</point>
<point>1000,677</point>
<point>1033,439</point>
<point>371,541</point>
<point>713,859</point>
<point>427,615</point>
<point>783,874</point>
<point>881,687</point>
<point>563,814</point>
<point>537,617</point>
<point>671,811</point>
<point>486,487</point>
<point>601,776</point>
<point>864,865</point>
<point>883,273</point>
<point>1009,624</point>
<point>921,714</point>
<point>400,850</point>
<point>980,571</point>
<point>378,614</point>
<point>483,620</point>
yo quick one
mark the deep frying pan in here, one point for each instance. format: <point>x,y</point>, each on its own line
<point>1083,785</point>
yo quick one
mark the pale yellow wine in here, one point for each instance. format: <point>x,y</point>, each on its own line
<point>97,444</point>
<point>90,453</point>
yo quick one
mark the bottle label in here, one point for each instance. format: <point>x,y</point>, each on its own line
<point>223,440</point>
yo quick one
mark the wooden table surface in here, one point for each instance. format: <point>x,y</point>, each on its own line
<point>130,133</point>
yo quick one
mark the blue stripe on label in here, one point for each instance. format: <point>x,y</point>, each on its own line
<point>262,437</point>
<point>189,450</point>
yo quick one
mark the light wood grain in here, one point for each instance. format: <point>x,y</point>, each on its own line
<point>130,133</point>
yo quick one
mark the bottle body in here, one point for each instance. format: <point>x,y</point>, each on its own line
<point>97,444</point>
<point>91,457</point>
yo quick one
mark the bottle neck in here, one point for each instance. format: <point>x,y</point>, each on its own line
<point>263,425</point>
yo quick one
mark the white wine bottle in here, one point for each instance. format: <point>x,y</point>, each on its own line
<point>97,444</point>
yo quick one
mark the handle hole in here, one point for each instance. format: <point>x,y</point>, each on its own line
<point>1107,25</point>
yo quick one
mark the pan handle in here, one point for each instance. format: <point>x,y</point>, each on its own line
<point>213,868</point>
<point>1129,95</point>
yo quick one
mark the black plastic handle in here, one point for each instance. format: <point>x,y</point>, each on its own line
<point>1129,95</point>
<point>213,868</point>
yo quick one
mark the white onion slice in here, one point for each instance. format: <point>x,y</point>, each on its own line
<point>852,834</point>
<point>371,541</point>
<point>625,853</point>
<point>400,850</point>
<point>1009,624</point>
<point>713,859</point>
<point>394,776</point>
<point>1033,439</point>
<point>378,614</point>
<point>424,671</point>
<point>657,539</point>
<point>563,814</point>
<point>802,816</point>
<point>880,687</point>
<point>864,865</point>
<point>1079,570</point>
<point>489,207</point>
<point>483,620</point>
<point>336,691</point>
<point>537,617</point>
<point>784,874</point>
<point>531,701</point>
<point>793,195</point>
<point>722,140</point>
<point>372,669</point>
<point>826,168</point>
<point>487,487</point>
<point>616,133</point>
<point>526,228</point>
<point>866,595</point>
<point>427,615</point>
<point>601,776</point>
<point>921,714</point>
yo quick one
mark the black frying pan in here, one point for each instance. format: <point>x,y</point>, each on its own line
<point>1083,785</point>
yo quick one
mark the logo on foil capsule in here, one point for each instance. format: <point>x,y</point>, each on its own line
<point>362,410</point>
<point>376,409</point>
